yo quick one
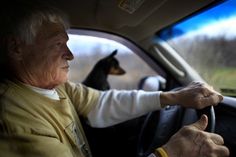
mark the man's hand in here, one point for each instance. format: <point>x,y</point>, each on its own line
<point>196,95</point>
<point>193,141</point>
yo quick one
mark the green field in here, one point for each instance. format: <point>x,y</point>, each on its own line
<point>224,80</point>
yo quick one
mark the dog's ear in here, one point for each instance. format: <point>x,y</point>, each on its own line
<point>113,53</point>
<point>110,56</point>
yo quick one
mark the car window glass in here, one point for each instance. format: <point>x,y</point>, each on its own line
<point>88,50</point>
<point>207,41</point>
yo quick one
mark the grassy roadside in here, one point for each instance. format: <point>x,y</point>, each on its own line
<point>224,80</point>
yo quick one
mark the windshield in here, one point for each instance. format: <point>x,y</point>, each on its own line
<point>207,42</point>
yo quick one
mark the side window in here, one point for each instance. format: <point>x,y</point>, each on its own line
<point>88,50</point>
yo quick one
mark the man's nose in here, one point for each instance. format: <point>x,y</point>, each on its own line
<point>68,54</point>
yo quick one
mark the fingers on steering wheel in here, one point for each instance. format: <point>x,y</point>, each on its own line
<point>217,139</point>
<point>209,100</point>
<point>209,148</point>
<point>201,124</point>
<point>209,91</point>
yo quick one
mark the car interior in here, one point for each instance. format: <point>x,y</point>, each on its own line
<point>137,24</point>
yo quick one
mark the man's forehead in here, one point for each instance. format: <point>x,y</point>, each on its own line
<point>51,30</point>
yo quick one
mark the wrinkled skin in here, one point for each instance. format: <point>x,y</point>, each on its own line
<point>196,95</point>
<point>192,141</point>
<point>43,63</point>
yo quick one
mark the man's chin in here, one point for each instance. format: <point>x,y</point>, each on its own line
<point>62,80</point>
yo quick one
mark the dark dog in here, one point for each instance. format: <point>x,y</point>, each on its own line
<point>97,78</point>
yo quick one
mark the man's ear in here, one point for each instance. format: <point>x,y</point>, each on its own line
<point>14,46</point>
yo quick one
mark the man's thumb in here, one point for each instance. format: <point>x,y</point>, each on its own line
<point>202,123</point>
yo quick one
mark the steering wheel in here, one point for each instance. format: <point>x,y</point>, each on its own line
<point>160,125</point>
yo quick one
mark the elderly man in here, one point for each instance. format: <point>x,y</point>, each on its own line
<point>40,107</point>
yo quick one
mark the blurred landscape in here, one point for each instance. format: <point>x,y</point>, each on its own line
<point>213,58</point>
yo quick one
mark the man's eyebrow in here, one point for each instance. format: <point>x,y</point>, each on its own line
<point>55,35</point>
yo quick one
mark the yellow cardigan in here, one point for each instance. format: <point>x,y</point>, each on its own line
<point>37,126</point>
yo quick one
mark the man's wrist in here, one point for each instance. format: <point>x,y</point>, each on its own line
<point>167,98</point>
<point>160,152</point>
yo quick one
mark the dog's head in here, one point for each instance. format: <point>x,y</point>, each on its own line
<point>112,64</point>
